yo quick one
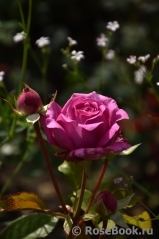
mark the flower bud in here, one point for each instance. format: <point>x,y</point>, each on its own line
<point>105,203</point>
<point>29,101</point>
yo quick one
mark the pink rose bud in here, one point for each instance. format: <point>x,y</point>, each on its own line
<point>29,101</point>
<point>108,200</point>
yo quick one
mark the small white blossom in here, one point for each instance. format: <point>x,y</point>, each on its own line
<point>71,41</point>
<point>102,40</point>
<point>157,83</point>
<point>113,26</point>
<point>118,180</point>
<point>43,41</point>
<point>110,55</point>
<point>20,36</point>
<point>77,56</point>
<point>1,75</point>
<point>139,75</point>
<point>143,59</point>
<point>131,59</point>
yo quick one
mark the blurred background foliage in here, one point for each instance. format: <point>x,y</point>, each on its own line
<point>84,21</point>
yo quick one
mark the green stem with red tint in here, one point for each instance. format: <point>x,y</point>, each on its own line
<point>104,167</point>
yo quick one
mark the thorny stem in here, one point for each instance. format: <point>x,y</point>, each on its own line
<point>104,167</point>
<point>49,166</point>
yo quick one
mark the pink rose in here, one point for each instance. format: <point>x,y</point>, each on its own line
<point>86,127</point>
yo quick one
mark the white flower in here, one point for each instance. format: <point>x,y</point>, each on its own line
<point>143,59</point>
<point>9,149</point>
<point>1,75</point>
<point>77,56</point>
<point>71,41</point>
<point>43,41</point>
<point>157,83</point>
<point>110,55</point>
<point>102,40</point>
<point>113,26</point>
<point>131,59</point>
<point>118,180</point>
<point>20,36</point>
<point>139,75</point>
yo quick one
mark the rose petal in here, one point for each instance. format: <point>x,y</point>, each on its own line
<point>90,127</point>
<point>115,114</point>
<point>118,147</point>
<point>81,135</point>
<point>47,131</point>
<point>87,153</point>
<point>108,135</point>
<point>82,154</point>
<point>59,134</point>
<point>93,153</point>
<point>53,110</point>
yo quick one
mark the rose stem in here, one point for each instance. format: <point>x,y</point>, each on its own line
<point>79,204</point>
<point>105,222</point>
<point>49,166</point>
<point>104,167</point>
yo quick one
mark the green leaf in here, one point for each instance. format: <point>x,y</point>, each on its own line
<point>88,217</point>
<point>96,220</point>
<point>73,172</point>
<point>110,224</point>
<point>123,193</point>
<point>129,150</point>
<point>101,209</point>
<point>118,219</point>
<point>142,220</point>
<point>32,226</point>
<point>22,201</point>
<point>123,203</point>
<point>67,225</point>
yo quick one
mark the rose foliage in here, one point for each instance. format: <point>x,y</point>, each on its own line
<point>86,127</point>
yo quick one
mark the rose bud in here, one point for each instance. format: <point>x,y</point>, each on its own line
<point>105,203</point>
<point>29,101</point>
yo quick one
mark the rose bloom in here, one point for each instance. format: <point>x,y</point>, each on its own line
<point>86,127</point>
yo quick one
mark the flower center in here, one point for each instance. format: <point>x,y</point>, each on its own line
<point>90,107</point>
